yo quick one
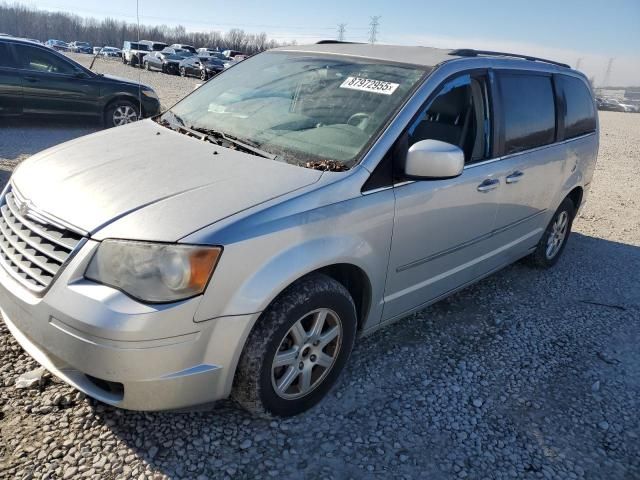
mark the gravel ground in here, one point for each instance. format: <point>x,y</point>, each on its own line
<point>527,374</point>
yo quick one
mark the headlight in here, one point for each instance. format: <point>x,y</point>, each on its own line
<point>153,272</point>
<point>150,93</point>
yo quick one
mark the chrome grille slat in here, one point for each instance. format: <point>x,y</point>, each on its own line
<point>33,251</point>
<point>32,256</point>
<point>36,242</point>
<point>51,234</point>
<point>12,255</point>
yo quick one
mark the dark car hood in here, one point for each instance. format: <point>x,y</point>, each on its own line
<point>114,79</point>
<point>147,182</point>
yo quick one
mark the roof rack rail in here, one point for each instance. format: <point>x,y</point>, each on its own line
<point>328,42</point>
<point>470,52</point>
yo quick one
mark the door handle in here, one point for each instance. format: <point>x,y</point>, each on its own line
<point>488,185</point>
<point>514,177</point>
<point>31,79</point>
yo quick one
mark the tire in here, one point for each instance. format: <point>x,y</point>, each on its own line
<point>302,304</point>
<point>146,66</point>
<point>554,239</point>
<point>121,112</point>
<point>124,59</point>
<point>183,72</point>
<point>203,75</point>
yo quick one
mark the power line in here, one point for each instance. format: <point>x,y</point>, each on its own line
<point>373,28</point>
<point>342,28</point>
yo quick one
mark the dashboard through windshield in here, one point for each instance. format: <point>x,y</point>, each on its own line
<point>301,108</point>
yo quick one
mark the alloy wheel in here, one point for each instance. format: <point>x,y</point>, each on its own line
<point>124,114</point>
<point>557,235</point>
<point>306,354</point>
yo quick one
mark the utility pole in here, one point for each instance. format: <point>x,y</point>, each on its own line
<point>607,75</point>
<point>578,63</point>
<point>373,30</point>
<point>342,28</point>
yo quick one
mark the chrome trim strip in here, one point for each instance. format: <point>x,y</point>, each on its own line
<point>468,243</point>
<point>459,268</point>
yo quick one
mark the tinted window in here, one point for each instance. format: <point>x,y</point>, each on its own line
<point>528,108</point>
<point>6,59</point>
<point>40,60</point>
<point>457,115</point>
<point>580,117</point>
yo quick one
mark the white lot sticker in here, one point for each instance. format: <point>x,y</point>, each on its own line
<point>370,85</point>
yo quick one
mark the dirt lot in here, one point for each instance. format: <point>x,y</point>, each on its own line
<point>528,374</point>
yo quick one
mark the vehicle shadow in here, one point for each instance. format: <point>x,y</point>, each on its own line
<point>22,137</point>
<point>415,355</point>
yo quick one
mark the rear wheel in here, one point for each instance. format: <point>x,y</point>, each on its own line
<point>146,66</point>
<point>298,348</point>
<point>554,239</point>
<point>120,113</point>
<point>183,72</point>
<point>124,59</point>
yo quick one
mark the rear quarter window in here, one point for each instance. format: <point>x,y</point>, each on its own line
<point>528,111</point>
<point>580,115</point>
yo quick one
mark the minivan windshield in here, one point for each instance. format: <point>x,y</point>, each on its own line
<point>301,108</point>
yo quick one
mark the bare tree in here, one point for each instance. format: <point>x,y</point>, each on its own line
<point>29,22</point>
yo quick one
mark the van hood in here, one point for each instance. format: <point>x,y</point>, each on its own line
<point>143,181</point>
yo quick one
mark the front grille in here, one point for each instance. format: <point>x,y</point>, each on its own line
<point>32,249</point>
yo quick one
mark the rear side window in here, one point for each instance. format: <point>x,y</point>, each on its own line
<point>529,112</point>
<point>6,59</point>
<point>40,60</point>
<point>580,116</point>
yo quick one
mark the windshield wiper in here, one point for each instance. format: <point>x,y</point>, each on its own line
<point>243,144</point>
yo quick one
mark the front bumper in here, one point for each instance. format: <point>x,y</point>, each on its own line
<point>150,106</point>
<point>122,352</point>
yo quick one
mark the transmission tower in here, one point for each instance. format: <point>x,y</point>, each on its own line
<point>607,74</point>
<point>373,28</point>
<point>342,29</point>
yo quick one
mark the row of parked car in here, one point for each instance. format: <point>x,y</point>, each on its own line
<point>37,80</point>
<point>614,105</point>
<point>179,58</point>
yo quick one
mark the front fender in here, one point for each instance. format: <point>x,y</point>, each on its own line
<point>255,269</point>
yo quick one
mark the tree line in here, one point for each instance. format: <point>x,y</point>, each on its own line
<point>24,21</point>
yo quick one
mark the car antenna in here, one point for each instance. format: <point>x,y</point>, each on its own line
<point>95,56</point>
<point>139,62</point>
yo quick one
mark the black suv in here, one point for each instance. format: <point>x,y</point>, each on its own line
<point>37,80</point>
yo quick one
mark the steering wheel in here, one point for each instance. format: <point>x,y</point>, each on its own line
<point>360,120</point>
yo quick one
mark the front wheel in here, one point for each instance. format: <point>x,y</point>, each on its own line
<point>183,72</point>
<point>298,348</point>
<point>146,66</point>
<point>203,75</point>
<point>554,239</point>
<point>120,113</point>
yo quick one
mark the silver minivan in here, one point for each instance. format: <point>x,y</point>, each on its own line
<point>238,244</point>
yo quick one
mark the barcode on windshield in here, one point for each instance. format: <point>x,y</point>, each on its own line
<point>370,85</point>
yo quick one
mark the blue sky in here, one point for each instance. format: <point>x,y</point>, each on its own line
<point>563,29</point>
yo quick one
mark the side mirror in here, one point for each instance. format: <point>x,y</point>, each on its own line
<point>433,159</point>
